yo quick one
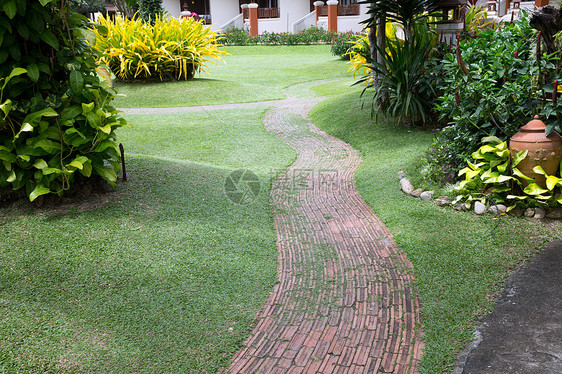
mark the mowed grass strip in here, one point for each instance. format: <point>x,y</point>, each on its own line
<point>248,74</point>
<point>165,274</point>
<point>458,267</point>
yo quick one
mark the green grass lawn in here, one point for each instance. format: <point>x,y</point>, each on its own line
<point>248,74</point>
<point>165,274</point>
<point>458,268</point>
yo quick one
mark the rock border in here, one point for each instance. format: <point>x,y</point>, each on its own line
<point>478,208</point>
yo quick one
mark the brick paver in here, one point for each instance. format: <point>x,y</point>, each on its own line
<point>344,301</point>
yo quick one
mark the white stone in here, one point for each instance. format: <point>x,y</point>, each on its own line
<point>479,208</point>
<point>529,212</point>
<point>426,195</point>
<point>406,186</point>
<point>499,207</point>
<point>417,192</point>
<point>540,213</point>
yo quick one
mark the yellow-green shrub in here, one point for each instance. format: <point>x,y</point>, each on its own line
<point>170,49</point>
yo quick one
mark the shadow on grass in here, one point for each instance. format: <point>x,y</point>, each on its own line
<point>165,277</point>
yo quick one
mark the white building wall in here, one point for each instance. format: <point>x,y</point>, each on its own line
<point>223,11</point>
<point>172,7</point>
<point>290,11</point>
<point>271,25</point>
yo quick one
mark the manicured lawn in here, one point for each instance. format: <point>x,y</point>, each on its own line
<point>248,74</point>
<point>457,266</point>
<point>166,274</point>
<point>163,275</point>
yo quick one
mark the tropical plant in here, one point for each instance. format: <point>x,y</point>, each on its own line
<point>494,177</point>
<point>169,49</point>
<point>401,91</point>
<point>476,19</point>
<point>56,121</point>
<point>406,13</point>
<point>489,85</point>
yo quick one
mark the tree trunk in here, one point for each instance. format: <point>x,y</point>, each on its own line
<point>381,43</point>
<point>372,44</point>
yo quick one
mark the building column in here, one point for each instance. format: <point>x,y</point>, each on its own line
<point>333,15</point>
<point>253,7</point>
<point>317,5</point>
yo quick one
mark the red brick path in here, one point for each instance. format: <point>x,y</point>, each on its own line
<point>344,301</point>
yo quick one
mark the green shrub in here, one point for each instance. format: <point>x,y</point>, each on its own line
<point>56,121</point>
<point>402,89</point>
<point>498,93</point>
<point>170,49</point>
<point>342,44</point>
<point>493,176</point>
<point>149,10</point>
<point>313,35</point>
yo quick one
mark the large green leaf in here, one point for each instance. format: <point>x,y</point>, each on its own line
<point>106,173</point>
<point>33,72</point>
<point>534,189</point>
<point>87,108</point>
<point>76,81</point>
<point>553,181</point>
<point>38,191</point>
<point>539,170</point>
<point>10,8</point>
<point>5,107</point>
<point>520,156</point>
<point>491,140</point>
<point>7,155</point>
<point>34,118</point>
<point>71,112</point>
<point>48,145</point>
<point>26,127</point>
<point>519,174</point>
<point>40,164</point>
<point>13,73</point>
<point>48,37</point>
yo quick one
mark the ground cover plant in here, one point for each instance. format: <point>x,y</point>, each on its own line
<point>163,49</point>
<point>248,74</point>
<point>57,122</point>
<point>312,35</point>
<point>459,266</point>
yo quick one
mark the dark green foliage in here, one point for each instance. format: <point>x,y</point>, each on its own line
<point>55,119</point>
<point>149,9</point>
<point>343,43</point>
<point>313,35</point>
<point>404,12</point>
<point>403,90</point>
<point>494,98</point>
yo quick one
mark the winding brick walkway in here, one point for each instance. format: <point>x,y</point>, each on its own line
<point>343,302</point>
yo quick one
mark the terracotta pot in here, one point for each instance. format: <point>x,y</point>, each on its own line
<point>545,151</point>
